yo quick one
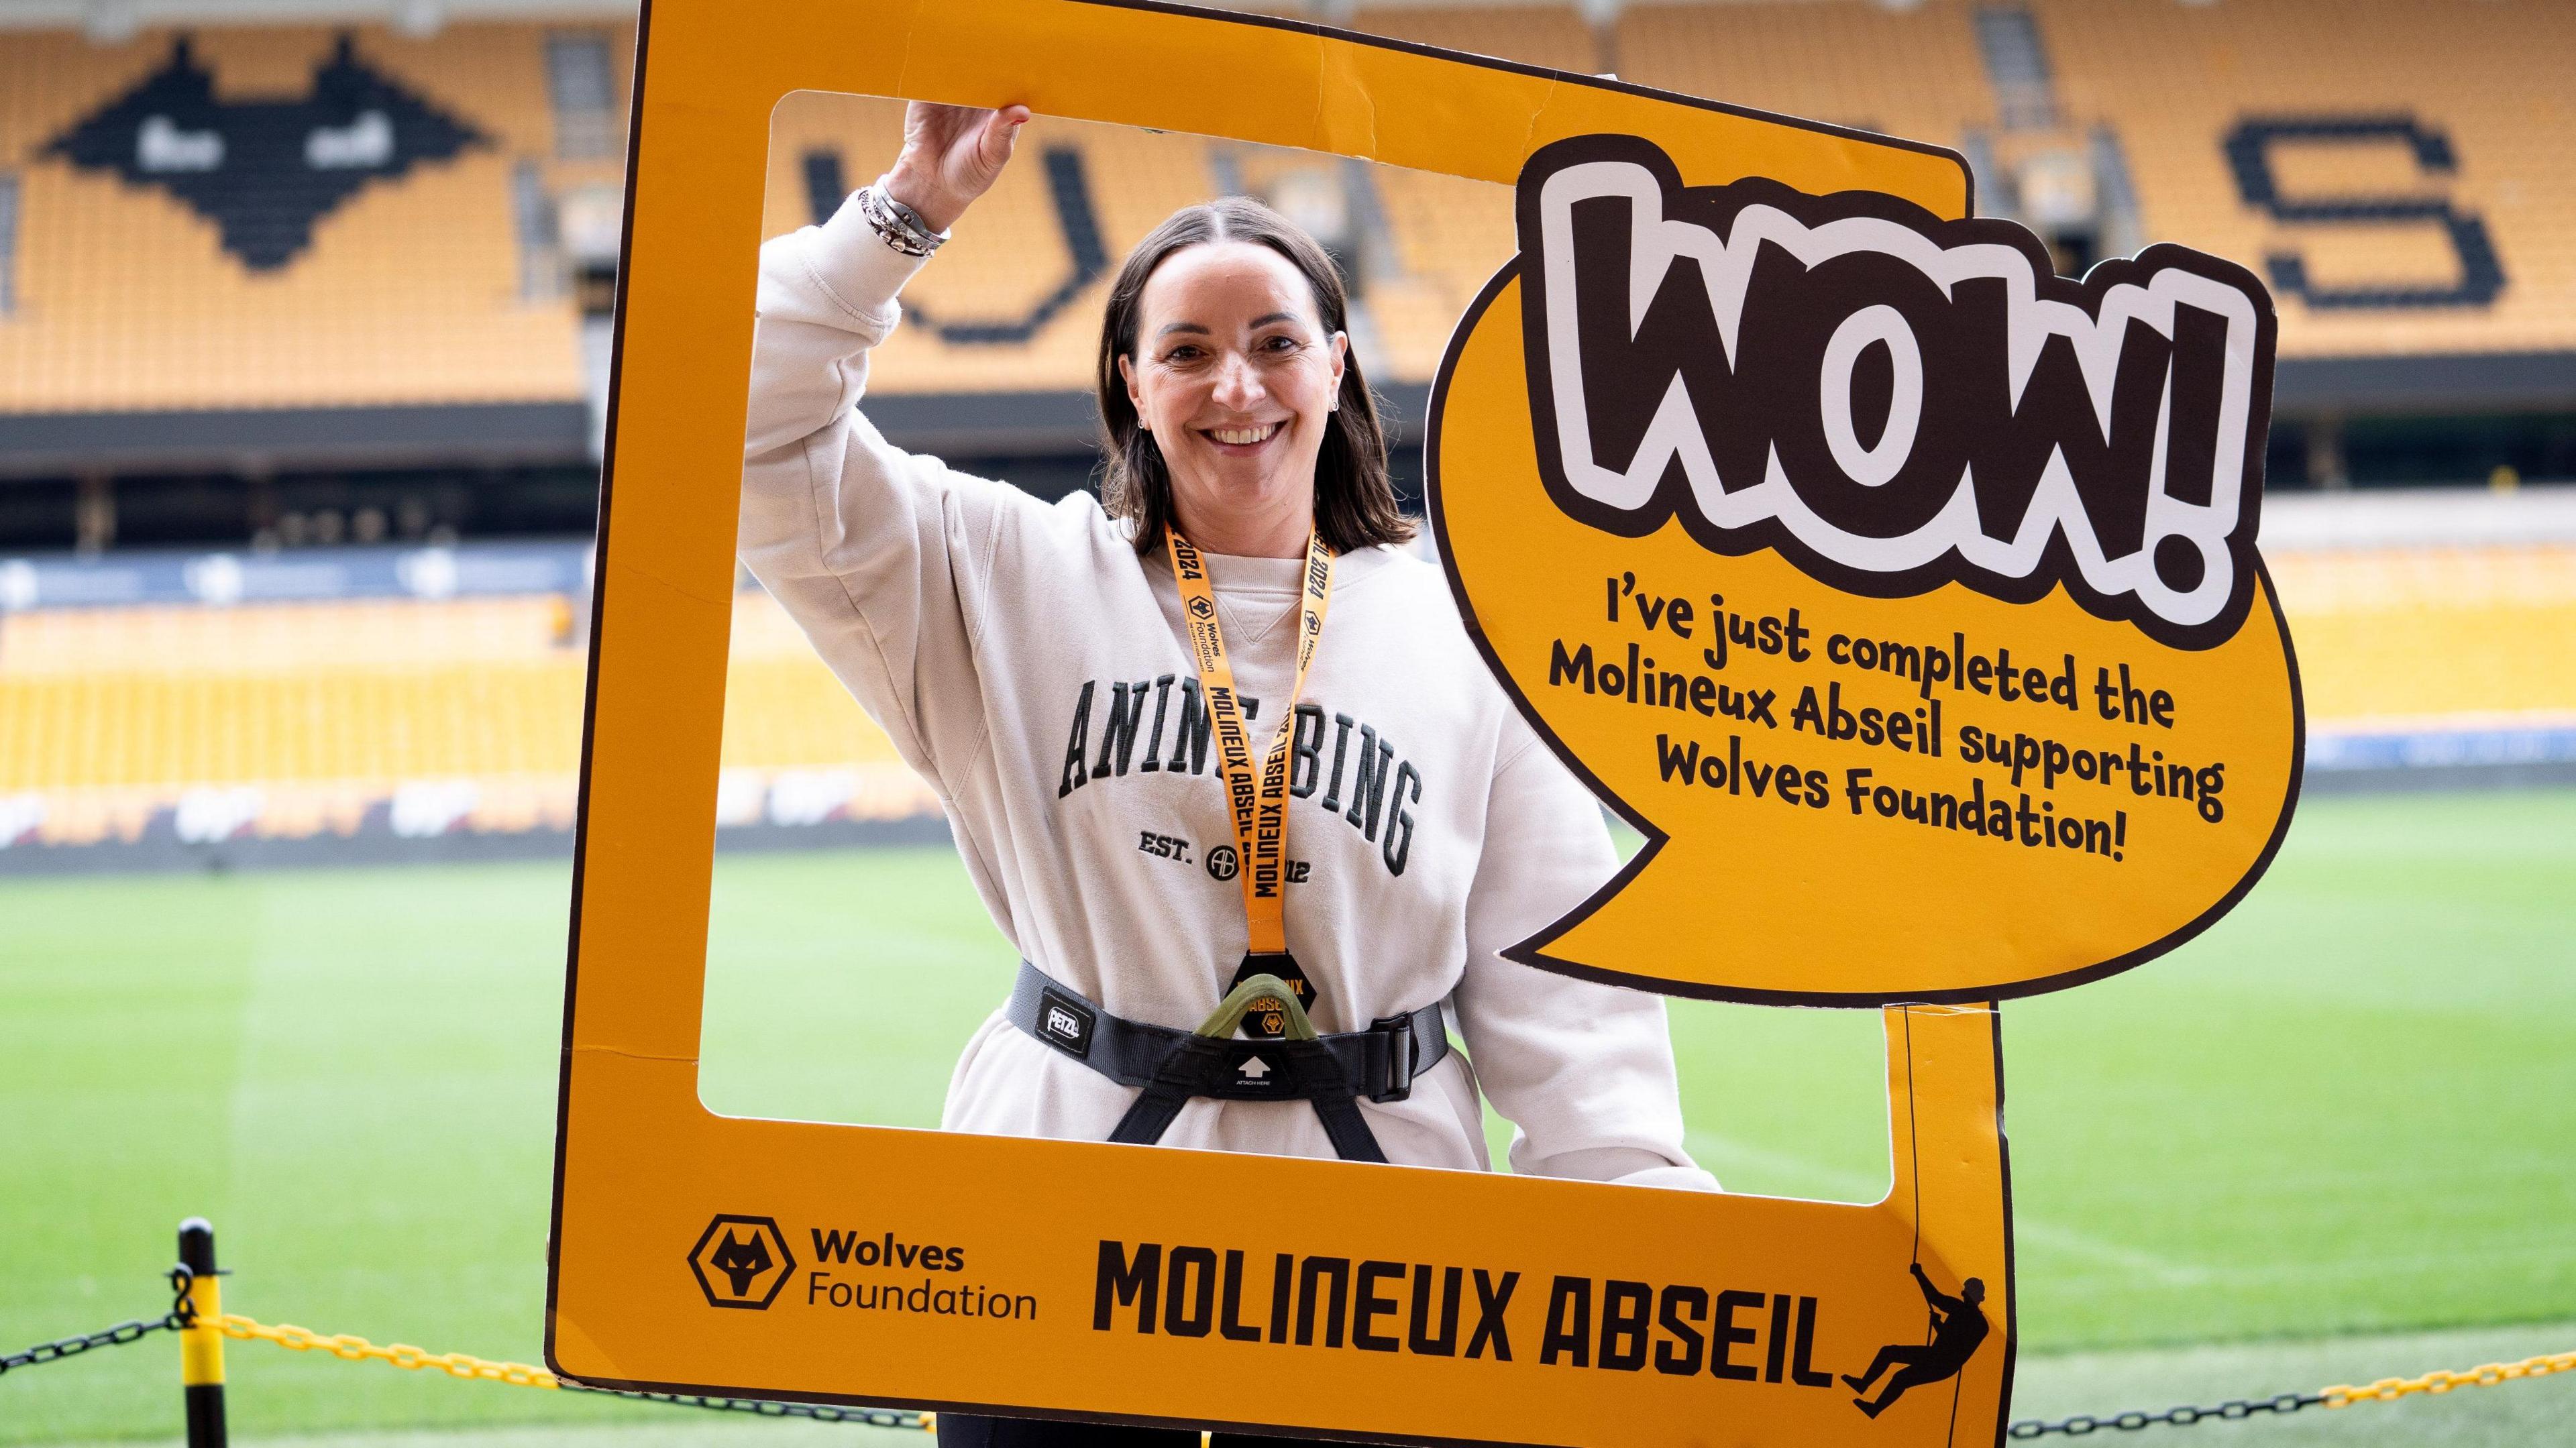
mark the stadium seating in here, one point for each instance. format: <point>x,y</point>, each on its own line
<point>2389,636</point>
<point>431,716</point>
<point>2393,170</point>
<point>393,274</point>
<point>306,717</point>
<point>2416,170</point>
<point>1550,35</point>
<point>1908,72</point>
<point>2163,88</point>
<point>2432,129</point>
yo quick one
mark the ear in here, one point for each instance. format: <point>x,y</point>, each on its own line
<point>1135,394</point>
<point>1341,356</point>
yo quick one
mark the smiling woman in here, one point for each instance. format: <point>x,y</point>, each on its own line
<point>1381,824</point>
<point>1249,373</point>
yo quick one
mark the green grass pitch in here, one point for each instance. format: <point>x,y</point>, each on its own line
<point>2349,1110</point>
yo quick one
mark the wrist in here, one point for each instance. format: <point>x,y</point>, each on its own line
<point>934,205</point>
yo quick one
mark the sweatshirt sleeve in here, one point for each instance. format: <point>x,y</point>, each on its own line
<point>1584,1071</point>
<point>880,555</point>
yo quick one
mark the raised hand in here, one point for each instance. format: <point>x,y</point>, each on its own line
<point>951,155</point>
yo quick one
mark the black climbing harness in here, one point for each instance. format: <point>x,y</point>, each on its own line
<point>1171,1066</point>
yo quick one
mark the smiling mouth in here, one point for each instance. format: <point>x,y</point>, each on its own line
<point>1242,436</point>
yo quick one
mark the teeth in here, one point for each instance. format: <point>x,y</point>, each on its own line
<point>1241,435</point>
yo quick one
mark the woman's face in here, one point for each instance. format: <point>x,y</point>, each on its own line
<point>1235,376</point>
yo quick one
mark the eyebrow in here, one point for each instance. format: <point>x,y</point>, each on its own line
<point>1196,330</point>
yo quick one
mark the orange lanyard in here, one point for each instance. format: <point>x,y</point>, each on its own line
<point>1258,801</point>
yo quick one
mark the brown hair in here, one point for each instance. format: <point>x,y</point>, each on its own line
<point>1354,496</point>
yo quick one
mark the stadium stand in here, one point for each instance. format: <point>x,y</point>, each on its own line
<point>1912,72</point>
<point>391,710</point>
<point>410,246</point>
<point>408,716</point>
<point>286,284</point>
<point>2400,168</point>
<point>1554,36</point>
<point>2389,635</point>
<point>2393,169</point>
<point>310,218</point>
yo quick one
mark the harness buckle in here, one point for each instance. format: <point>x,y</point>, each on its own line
<point>1401,1051</point>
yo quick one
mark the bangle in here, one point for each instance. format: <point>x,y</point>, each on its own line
<point>897,225</point>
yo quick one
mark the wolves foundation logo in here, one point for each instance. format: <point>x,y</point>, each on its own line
<point>264,172</point>
<point>741,1261</point>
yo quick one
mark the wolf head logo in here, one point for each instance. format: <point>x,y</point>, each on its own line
<point>741,1261</point>
<point>265,172</point>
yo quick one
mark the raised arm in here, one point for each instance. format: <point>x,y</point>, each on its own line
<point>1942,1302</point>
<point>873,550</point>
<point>1584,1071</point>
<point>823,276</point>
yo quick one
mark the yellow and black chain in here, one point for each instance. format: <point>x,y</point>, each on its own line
<point>180,1315</point>
<point>351,1348</point>
<point>767,1408</point>
<point>2443,1380</point>
<point>2386,1390</point>
<point>2183,1417</point>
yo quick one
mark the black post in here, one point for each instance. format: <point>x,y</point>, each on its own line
<point>201,1344</point>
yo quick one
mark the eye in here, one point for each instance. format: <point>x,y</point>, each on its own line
<point>1282,343</point>
<point>1186,352</point>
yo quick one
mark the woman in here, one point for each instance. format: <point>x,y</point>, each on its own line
<point>1031,661</point>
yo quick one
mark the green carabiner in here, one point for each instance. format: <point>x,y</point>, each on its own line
<point>1251,991</point>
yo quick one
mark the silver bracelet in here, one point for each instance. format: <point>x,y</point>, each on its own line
<point>897,225</point>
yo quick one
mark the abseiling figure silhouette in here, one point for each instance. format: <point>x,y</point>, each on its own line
<point>1958,1326</point>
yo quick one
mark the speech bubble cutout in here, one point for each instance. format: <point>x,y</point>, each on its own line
<point>1902,593</point>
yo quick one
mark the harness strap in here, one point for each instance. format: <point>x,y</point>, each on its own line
<point>1311,1071</point>
<point>1380,1063</point>
<point>1210,1062</point>
<point>1306,1068</point>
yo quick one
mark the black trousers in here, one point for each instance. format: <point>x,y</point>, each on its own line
<point>958,1430</point>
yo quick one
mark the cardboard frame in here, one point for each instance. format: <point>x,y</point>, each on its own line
<point>650,1186</point>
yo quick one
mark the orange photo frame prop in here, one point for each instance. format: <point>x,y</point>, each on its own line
<point>699,1253</point>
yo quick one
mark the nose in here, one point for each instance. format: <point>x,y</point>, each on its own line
<point>1238,384</point>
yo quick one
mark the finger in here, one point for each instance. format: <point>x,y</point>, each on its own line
<point>1002,134</point>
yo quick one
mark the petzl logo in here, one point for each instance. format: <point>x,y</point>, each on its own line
<point>741,1261</point>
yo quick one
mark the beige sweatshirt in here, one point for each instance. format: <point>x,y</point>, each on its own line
<point>1032,667</point>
